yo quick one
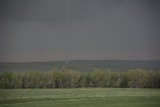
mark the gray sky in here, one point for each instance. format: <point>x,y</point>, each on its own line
<point>39,30</point>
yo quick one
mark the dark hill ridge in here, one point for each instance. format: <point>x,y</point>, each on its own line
<point>80,65</point>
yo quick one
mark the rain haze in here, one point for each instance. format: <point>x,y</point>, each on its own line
<point>50,30</point>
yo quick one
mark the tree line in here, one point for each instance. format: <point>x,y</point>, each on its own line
<point>68,78</point>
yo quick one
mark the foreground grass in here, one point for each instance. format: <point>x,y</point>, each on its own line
<point>87,97</point>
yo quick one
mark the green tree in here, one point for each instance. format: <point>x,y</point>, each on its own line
<point>137,78</point>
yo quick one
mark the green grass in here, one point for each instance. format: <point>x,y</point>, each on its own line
<point>83,97</point>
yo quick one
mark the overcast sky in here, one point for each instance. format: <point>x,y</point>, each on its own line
<point>45,30</point>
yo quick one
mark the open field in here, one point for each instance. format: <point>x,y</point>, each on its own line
<point>81,97</point>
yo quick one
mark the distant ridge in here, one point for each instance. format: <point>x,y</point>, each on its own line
<point>80,65</point>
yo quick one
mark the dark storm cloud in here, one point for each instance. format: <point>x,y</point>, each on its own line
<point>33,10</point>
<point>96,29</point>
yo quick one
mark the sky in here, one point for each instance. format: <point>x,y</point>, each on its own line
<point>51,30</point>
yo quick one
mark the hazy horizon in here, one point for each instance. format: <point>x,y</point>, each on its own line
<point>51,30</point>
<point>64,60</point>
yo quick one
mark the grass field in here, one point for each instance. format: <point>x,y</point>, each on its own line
<point>83,97</point>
